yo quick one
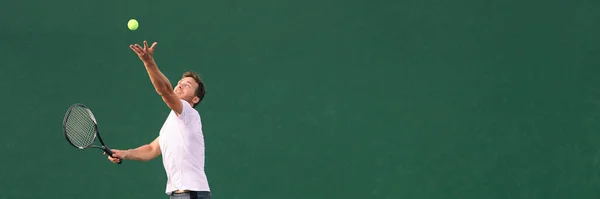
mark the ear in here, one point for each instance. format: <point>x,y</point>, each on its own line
<point>196,99</point>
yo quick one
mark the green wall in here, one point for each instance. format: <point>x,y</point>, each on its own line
<point>323,99</point>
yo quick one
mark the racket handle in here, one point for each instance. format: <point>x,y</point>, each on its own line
<point>110,153</point>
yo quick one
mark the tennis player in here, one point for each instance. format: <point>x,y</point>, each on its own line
<point>180,140</point>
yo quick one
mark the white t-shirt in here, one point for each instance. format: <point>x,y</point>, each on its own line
<point>182,145</point>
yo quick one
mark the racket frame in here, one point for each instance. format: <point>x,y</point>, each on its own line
<point>96,131</point>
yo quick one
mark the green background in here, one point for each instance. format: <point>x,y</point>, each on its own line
<point>312,99</point>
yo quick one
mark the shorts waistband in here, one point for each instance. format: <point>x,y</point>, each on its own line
<point>191,192</point>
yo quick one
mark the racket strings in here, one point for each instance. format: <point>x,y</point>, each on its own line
<point>80,127</point>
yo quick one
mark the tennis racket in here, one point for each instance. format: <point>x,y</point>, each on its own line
<point>81,129</point>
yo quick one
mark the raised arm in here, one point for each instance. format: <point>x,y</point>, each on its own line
<point>159,80</point>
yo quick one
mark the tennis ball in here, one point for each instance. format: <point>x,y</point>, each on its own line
<point>132,24</point>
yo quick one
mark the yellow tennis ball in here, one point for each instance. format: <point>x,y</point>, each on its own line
<point>132,24</point>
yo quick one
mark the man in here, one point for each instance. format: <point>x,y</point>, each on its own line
<point>181,140</point>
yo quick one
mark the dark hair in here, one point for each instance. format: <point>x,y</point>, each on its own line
<point>201,90</point>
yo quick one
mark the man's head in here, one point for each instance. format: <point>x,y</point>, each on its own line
<point>190,88</point>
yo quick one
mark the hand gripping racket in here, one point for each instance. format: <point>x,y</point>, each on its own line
<point>81,129</point>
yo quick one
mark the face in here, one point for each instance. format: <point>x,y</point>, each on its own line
<point>186,88</point>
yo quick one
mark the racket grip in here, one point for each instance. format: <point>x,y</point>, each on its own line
<point>110,153</point>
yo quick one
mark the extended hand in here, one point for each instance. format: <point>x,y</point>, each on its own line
<point>145,53</point>
<point>118,155</point>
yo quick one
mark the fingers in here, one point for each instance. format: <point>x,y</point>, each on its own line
<point>115,158</point>
<point>145,43</point>
<point>153,45</point>
<point>135,49</point>
<point>138,47</point>
<point>144,52</point>
<point>116,154</point>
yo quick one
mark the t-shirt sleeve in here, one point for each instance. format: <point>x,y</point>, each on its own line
<point>187,112</point>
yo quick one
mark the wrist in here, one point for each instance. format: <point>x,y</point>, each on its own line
<point>126,154</point>
<point>149,61</point>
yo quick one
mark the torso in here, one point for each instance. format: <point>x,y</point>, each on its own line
<point>182,146</point>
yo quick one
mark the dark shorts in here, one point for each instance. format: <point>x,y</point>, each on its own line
<point>192,195</point>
